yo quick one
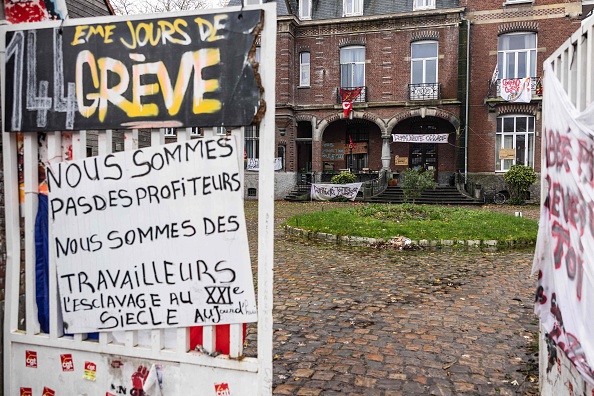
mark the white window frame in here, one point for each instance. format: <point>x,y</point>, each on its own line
<point>351,66</point>
<point>252,141</point>
<point>503,57</point>
<point>304,70</point>
<point>424,62</point>
<point>352,8</point>
<point>195,131</point>
<point>505,138</point>
<point>169,132</point>
<point>419,5</point>
<point>305,9</point>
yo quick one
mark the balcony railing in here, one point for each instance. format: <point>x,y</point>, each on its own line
<point>494,88</point>
<point>362,98</point>
<point>425,91</point>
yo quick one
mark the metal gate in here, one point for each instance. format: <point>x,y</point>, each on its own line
<point>139,362</point>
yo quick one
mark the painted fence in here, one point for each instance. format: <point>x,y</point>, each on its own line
<point>564,257</point>
<point>138,243</point>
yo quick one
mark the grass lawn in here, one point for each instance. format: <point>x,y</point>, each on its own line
<point>419,222</point>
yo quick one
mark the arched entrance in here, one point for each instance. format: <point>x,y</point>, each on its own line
<point>351,144</point>
<point>425,143</point>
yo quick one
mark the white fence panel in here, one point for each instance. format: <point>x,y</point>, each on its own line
<point>134,362</point>
<point>572,64</point>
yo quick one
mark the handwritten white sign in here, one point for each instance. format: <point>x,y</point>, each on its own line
<point>253,164</point>
<point>324,192</point>
<point>564,257</point>
<point>424,138</point>
<point>152,238</point>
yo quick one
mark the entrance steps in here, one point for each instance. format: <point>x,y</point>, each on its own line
<point>442,195</point>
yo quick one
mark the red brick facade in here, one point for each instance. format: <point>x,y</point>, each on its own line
<point>553,21</point>
<point>310,118</point>
<point>387,41</point>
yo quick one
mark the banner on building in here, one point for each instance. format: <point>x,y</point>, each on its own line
<point>564,257</point>
<point>517,90</point>
<point>423,138</point>
<point>325,192</point>
<point>152,238</point>
<point>253,164</point>
<point>347,97</point>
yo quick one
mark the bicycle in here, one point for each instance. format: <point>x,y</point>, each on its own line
<point>498,198</point>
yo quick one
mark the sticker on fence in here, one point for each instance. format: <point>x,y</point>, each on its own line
<point>152,238</point>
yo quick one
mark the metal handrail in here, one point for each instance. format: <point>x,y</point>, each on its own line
<point>425,91</point>
<point>362,98</point>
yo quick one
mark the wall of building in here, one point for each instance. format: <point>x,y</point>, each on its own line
<point>554,21</point>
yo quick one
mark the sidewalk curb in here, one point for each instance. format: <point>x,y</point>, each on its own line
<point>357,241</point>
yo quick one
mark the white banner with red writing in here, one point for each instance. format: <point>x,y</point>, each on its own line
<point>325,192</point>
<point>516,90</point>
<point>564,257</point>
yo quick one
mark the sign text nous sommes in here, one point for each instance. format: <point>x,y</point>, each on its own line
<point>152,238</point>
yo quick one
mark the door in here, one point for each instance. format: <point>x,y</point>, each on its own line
<point>423,156</point>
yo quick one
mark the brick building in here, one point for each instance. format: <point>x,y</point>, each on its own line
<point>411,59</point>
<point>517,36</point>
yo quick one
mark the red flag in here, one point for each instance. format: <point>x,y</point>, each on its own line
<point>347,107</point>
<point>351,144</point>
<point>347,96</point>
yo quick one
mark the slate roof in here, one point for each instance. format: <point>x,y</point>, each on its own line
<point>88,8</point>
<point>330,9</point>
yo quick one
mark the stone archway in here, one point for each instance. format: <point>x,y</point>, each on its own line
<point>332,150</point>
<point>429,139</point>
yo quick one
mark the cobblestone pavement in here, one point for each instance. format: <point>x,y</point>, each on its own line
<point>371,322</point>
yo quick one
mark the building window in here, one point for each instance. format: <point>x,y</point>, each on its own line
<point>220,131</point>
<point>304,59</point>
<point>424,62</point>
<point>352,7</point>
<point>514,144</point>
<point>352,67</point>
<point>252,137</point>
<point>280,153</point>
<point>423,5</point>
<point>516,55</point>
<point>195,131</point>
<point>305,9</point>
<point>169,132</point>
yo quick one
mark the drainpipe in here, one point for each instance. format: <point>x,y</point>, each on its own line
<point>467,94</point>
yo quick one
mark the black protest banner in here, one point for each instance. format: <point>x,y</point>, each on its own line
<point>196,70</point>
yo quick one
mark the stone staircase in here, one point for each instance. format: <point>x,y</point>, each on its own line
<point>442,195</point>
<point>298,194</point>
